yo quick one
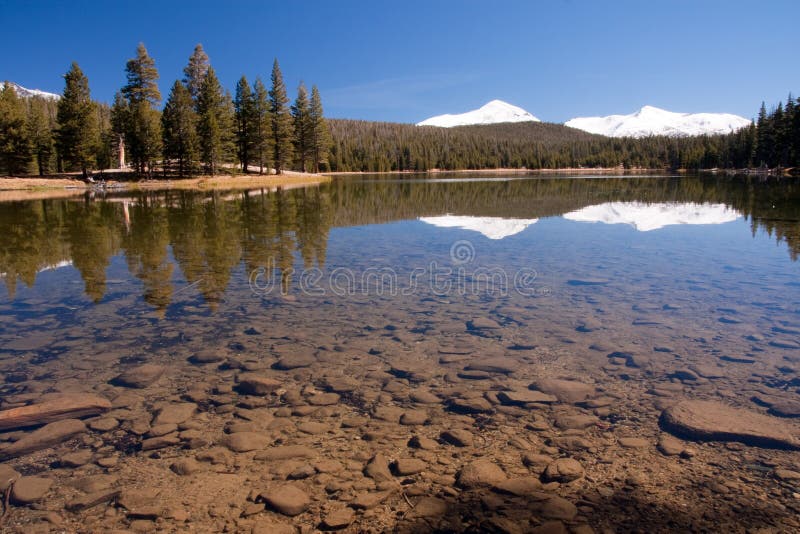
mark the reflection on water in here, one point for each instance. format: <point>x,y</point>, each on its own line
<point>206,235</point>
<point>645,217</point>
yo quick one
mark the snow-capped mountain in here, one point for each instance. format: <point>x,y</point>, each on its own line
<point>645,217</point>
<point>24,92</point>
<point>654,121</point>
<point>492,113</point>
<point>491,227</point>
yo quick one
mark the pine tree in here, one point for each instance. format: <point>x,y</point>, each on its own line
<point>143,124</point>
<point>15,146</point>
<point>302,127</point>
<point>319,137</point>
<point>77,136</point>
<point>763,137</point>
<point>106,138</point>
<point>281,121</point>
<point>179,128</point>
<point>243,105</point>
<point>261,125</point>
<point>215,123</point>
<point>195,72</point>
<point>40,133</point>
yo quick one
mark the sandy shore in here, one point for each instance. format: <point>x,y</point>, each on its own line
<point>25,188</point>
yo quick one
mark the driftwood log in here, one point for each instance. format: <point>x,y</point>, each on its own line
<point>67,406</point>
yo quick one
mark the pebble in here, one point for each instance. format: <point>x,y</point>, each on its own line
<point>563,470</point>
<point>28,490</point>
<point>338,519</point>
<point>458,437</point>
<point>414,418</point>
<point>185,466</point>
<point>480,473</point>
<point>408,466</point>
<point>253,384</point>
<point>140,377</point>
<point>288,499</point>
<point>245,441</point>
<point>633,443</point>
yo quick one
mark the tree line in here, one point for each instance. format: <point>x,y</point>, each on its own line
<point>773,141</point>
<point>201,127</point>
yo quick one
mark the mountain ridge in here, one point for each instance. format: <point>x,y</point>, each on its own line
<point>24,92</point>
<point>493,112</point>
<point>650,120</point>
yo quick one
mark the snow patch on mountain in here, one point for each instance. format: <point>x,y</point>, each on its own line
<point>491,227</point>
<point>646,217</point>
<point>654,121</point>
<point>24,92</point>
<point>494,112</point>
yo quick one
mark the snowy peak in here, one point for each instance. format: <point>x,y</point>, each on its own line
<point>24,92</point>
<point>494,112</point>
<point>646,217</point>
<point>651,120</point>
<point>491,227</point>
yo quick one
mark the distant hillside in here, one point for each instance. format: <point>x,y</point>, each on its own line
<point>384,146</point>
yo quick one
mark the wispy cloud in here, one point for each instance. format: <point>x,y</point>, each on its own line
<point>407,93</point>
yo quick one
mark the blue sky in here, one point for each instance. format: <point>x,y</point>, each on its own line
<point>405,61</point>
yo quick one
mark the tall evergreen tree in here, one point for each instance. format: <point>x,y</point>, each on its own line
<point>15,146</point>
<point>77,135</point>
<point>215,123</point>
<point>178,127</point>
<point>261,125</point>
<point>763,138</point>
<point>40,133</point>
<point>281,121</point>
<point>195,72</point>
<point>243,105</point>
<point>319,137</point>
<point>302,127</point>
<point>119,124</point>
<point>143,128</point>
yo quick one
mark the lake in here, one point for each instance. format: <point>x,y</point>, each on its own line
<point>468,353</point>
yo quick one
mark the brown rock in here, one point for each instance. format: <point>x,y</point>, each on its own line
<point>378,469</point>
<point>669,446</point>
<point>185,466</point>
<point>29,490</point>
<point>253,384</point>
<point>339,519</point>
<point>246,441</point>
<point>421,442</point>
<point>285,452</point>
<point>520,487</point>
<point>414,418</point>
<point>408,466</point>
<point>714,421</point>
<point>43,438</point>
<point>161,442</point>
<point>563,470</point>
<point>324,399</point>
<point>287,499</point>
<point>76,459</point>
<point>568,391</point>
<point>294,361</point>
<point>139,377</point>
<point>633,443</point>
<point>554,507</point>
<point>368,500</point>
<point>522,397</point>
<point>176,413</point>
<point>428,507</point>
<point>480,473</point>
<point>458,437</point>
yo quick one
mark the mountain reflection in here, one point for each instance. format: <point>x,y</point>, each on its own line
<point>204,236</point>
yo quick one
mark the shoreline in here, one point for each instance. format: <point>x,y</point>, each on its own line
<point>30,188</point>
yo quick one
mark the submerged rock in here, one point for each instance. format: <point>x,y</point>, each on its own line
<point>42,438</point>
<point>714,421</point>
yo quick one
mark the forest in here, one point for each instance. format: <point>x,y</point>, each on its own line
<point>203,129</point>
<point>200,129</point>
